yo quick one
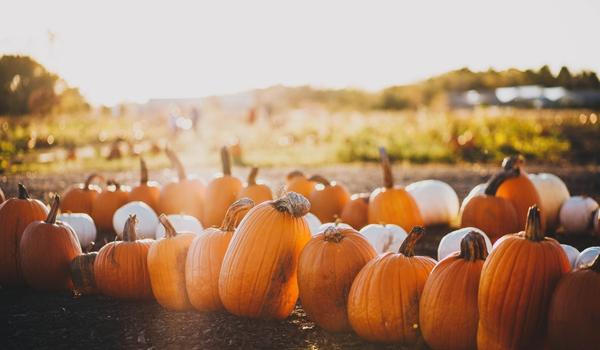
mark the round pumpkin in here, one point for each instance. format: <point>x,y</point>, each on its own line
<point>356,211</point>
<point>393,204</point>
<point>147,219</point>
<point>80,198</point>
<point>297,182</point>
<point>451,242</point>
<point>221,192</point>
<point>577,215</point>
<point>553,193</point>
<point>147,191</point>
<point>181,223</point>
<point>205,256</point>
<point>82,273</point>
<point>106,204</point>
<point>448,312</point>
<point>15,215</point>
<point>384,238</point>
<point>437,201</point>
<point>327,266</point>
<point>383,304</point>
<point>328,199</point>
<point>258,277</point>
<point>46,249</point>
<point>258,192</point>
<point>83,226</point>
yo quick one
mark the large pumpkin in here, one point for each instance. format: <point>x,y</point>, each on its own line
<point>328,264</point>
<point>553,193</point>
<point>297,182</point>
<point>517,282</point>
<point>121,267</point>
<point>328,199</point>
<point>393,204</point>
<point>356,211</point>
<point>258,277</point>
<point>15,215</point>
<point>448,312</point>
<point>166,266</point>
<point>437,201</point>
<point>205,256</point>
<point>258,192</point>
<point>383,305</point>
<point>80,198</point>
<point>221,192</point>
<point>83,225</point>
<point>107,203</point>
<point>147,191</point>
<point>46,249</point>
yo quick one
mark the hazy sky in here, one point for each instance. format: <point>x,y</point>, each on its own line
<point>130,50</point>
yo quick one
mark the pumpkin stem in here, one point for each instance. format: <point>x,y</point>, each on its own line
<point>129,234</point>
<point>170,230</point>
<point>513,162</point>
<point>51,219</point>
<point>498,178</point>
<point>388,178</point>
<point>408,246</point>
<point>113,182</point>
<point>143,172</point>
<point>472,247</point>
<point>333,234</point>
<point>252,176</point>
<point>176,163</point>
<point>231,217</point>
<point>225,161</point>
<point>533,226</point>
<point>23,193</point>
<point>293,174</point>
<point>596,265</point>
<point>320,179</point>
<point>88,181</point>
<point>293,203</point>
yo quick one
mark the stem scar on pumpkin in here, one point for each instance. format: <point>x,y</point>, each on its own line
<point>293,203</point>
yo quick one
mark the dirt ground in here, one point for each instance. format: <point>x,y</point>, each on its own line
<point>42,320</point>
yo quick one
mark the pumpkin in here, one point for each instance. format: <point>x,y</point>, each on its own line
<point>383,304</point>
<point>221,192</point>
<point>553,193</point>
<point>183,196</point>
<point>393,204</point>
<point>586,257</point>
<point>477,190</point>
<point>326,268</point>
<point>577,214</point>
<point>494,215</point>
<point>437,201</point>
<point>356,211</point>
<point>46,249</point>
<point>181,223</point>
<point>575,310</point>
<point>520,191</point>
<point>451,242</point>
<point>121,267</point>
<point>82,273</point>
<point>448,312</point>
<point>147,219</point>
<point>313,223</point>
<point>205,256</point>
<point>384,238</point>
<point>147,191</point>
<point>516,285</point>
<point>258,277</point>
<point>297,182</point>
<point>328,199</point>
<point>80,198</point>
<point>107,203</point>
<point>258,192</point>
<point>166,266</point>
<point>15,215</point>
<point>572,254</point>
<point>83,226</point>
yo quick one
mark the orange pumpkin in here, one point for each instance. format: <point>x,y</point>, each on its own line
<point>356,211</point>
<point>383,304</point>
<point>448,312</point>
<point>221,192</point>
<point>205,256</point>
<point>184,196</point>
<point>46,249</point>
<point>393,204</point>
<point>121,267</point>
<point>80,198</point>
<point>517,282</point>
<point>328,199</point>
<point>107,203</point>
<point>258,277</point>
<point>328,264</point>
<point>258,192</point>
<point>297,182</point>
<point>166,266</point>
<point>15,215</point>
<point>147,191</point>
<point>496,216</point>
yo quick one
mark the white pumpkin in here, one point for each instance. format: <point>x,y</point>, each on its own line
<point>576,214</point>
<point>587,256</point>
<point>182,223</point>
<point>313,223</point>
<point>147,219</point>
<point>553,193</point>
<point>437,201</point>
<point>572,254</point>
<point>83,225</point>
<point>450,243</point>
<point>326,225</point>
<point>384,238</point>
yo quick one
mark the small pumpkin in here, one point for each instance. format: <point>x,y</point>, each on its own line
<point>46,249</point>
<point>448,312</point>
<point>297,182</point>
<point>553,193</point>
<point>383,304</point>
<point>146,218</point>
<point>121,267</point>
<point>205,256</point>
<point>313,223</point>
<point>181,223</point>
<point>451,242</point>
<point>393,204</point>
<point>356,211</point>
<point>147,191</point>
<point>437,201</point>
<point>328,199</point>
<point>326,268</point>
<point>15,215</point>
<point>221,192</point>
<point>106,204</point>
<point>577,215</point>
<point>166,267</point>
<point>258,192</point>
<point>586,257</point>
<point>384,238</point>
<point>82,273</point>
<point>80,198</point>
<point>572,254</point>
<point>83,225</point>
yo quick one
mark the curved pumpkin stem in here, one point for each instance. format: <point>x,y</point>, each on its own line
<point>129,234</point>
<point>333,234</point>
<point>293,174</point>
<point>596,265</point>
<point>176,163</point>
<point>293,203</point>
<point>320,179</point>
<point>231,217</point>
<point>143,172</point>
<point>472,247</point>
<point>513,162</point>
<point>252,176</point>
<point>170,230</point>
<point>533,226</point>
<point>498,178</point>
<point>88,182</point>
<point>225,161</point>
<point>51,219</point>
<point>388,178</point>
<point>23,193</point>
<point>113,182</point>
<point>408,246</point>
